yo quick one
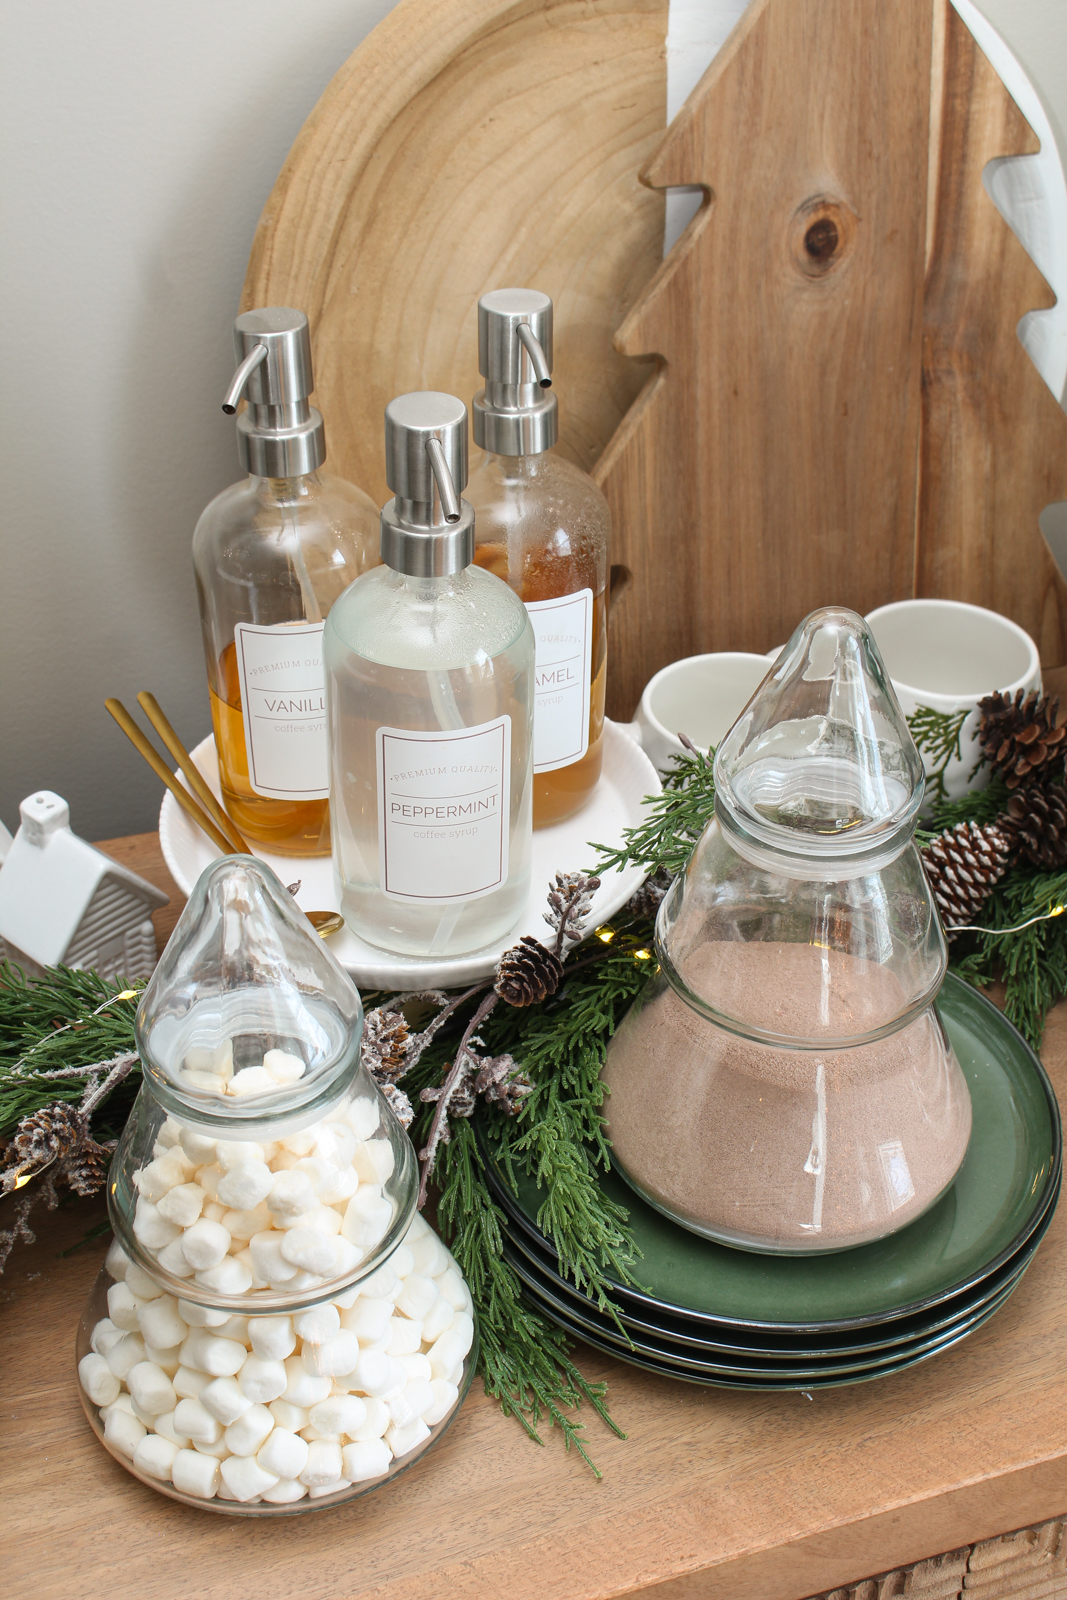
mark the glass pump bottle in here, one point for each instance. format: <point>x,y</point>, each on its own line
<point>544,527</point>
<point>271,555</point>
<point>785,1084</point>
<point>429,687</point>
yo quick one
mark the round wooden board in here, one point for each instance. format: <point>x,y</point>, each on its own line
<point>468,145</point>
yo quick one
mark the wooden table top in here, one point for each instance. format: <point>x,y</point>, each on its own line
<point>714,1495</point>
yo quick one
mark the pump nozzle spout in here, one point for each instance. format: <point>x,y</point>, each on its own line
<point>533,349</point>
<point>240,378</point>
<point>450,502</point>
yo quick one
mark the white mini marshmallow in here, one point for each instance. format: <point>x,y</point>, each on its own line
<point>116,1261</point>
<point>283,1066</point>
<point>123,1430</point>
<point>155,1456</point>
<point>415,1366</point>
<point>453,1288</point>
<point>323,1464</point>
<point>243,1475</point>
<point>122,1307</point>
<point>125,1354</point>
<point>267,1259</point>
<point>445,1395</point>
<point>340,1414</point>
<point>188,1382</point>
<point>222,1358</point>
<point>449,1350</point>
<point>244,1224</point>
<point>205,1244</point>
<point>336,1142</point>
<point>272,1338</point>
<point>322,1175</point>
<point>291,1194</point>
<point>263,1380</point>
<point>224,1400</point>
<point>172,1259</point>
<point>286,1415</point>
<point>217,1059</point>
<point>151,1389</point>
<point>248,1433</point>
<point>318,1324</point>
<point>303,1388</point>
<point>373,1161</point>
<point>405,1337</point>
<point>285,1491</point>
<point>348,1257</point>
<point>363,1117</point>
<point>198,1147</point>
<point>104,1335</point>
<point>208,1180</point>
<point>167,1357</point>
<point>164,1426</point>
<point>169,1134</point>
<point>235,1327</point>
<point>440,1316</point>
<point>252,1080</point>
<point>367,1216</point>
<point>383,1283</point>
<point>429,1254</point>
<point>245,1185</point>
<point>310,1249</point>
<point>337,1355</point>
<point>245,1258</point>
<point>285,1454</point>
<point>151,1230</point>
<point>154,1180</point>
<point>302,1143</point>
<point>193,1473</point>
<point>403,1264</point>
<point>402,1441</point>
<point>376,1421</point>
<point>229,1277</point>
<point>182,1204</point>
<point>220,1449</point>
<point>417,1297</point>
<point>196,1422</point>
<point>378,1374</point>
<point>235,1152</point>
<point>139,1283</point>
<point>201,1316</point>
<point>343,1190</point>
<point>369,1458</point>
<point>207,1082</point>
<point>160,1322</point>
<point>313,1434</point>
<point>321,1490</point>
<point>98,1380</point>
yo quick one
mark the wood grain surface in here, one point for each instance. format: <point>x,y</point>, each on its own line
<point>994,441</point>
<point>464,146</point>
<point>714,1495</point>
<point>769,466</point>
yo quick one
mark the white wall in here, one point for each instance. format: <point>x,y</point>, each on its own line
<point>139,144</point>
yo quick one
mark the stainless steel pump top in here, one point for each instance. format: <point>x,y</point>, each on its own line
<point>427,530</point>
<point>514,415</point>
<point>280,435</point>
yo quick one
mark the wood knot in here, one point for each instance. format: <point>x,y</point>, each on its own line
<point>822,232</point>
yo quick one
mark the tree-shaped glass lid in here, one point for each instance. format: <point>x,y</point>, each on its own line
<point>248,1016</point>
<point>821,761</point>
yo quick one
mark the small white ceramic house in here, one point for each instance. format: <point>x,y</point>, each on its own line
<point>64,903</point>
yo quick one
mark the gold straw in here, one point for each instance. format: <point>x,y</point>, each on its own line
<point>154,712</point>
<point>162,771</point>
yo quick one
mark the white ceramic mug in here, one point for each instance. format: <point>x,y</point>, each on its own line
<point>700,696</point>
<point>945,656</point>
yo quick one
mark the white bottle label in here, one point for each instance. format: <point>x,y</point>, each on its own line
<point>444,811</point>
<point>283,697</point>
<point>563,628</point>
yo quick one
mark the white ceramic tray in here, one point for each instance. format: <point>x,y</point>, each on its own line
<point>616,804</point>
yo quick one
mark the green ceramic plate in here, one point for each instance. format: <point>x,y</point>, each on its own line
<point>1000,1195</point>
<point>663,1369</point>
<point>705,1341</point>
<point>542,1290</point>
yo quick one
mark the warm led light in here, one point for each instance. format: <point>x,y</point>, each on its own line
<point>23,1179</point>
<point>607,934</point>
<point>642,955</point>
<point>127,994</point>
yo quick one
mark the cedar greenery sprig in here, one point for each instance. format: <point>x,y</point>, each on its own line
<point>671,822</point>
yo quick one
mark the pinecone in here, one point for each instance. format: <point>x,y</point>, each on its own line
<point>1037,816</point>
<point>528,973</point>
<point>385,1044</point>
<point>963,864</point>
<point>44,1136</point>
<point>399,1104</point>
<point>645,902</point>
<point>1019,735</point>
<point>86,1167</point>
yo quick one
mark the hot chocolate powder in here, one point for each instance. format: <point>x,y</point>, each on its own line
<point>785,1148</point>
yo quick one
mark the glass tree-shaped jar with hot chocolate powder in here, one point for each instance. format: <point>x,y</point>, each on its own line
<point>785,1083</point>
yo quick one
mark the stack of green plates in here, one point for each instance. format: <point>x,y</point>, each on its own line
<point>714,1315</point>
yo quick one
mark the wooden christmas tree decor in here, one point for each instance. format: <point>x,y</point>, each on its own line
<point>842,412</point>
